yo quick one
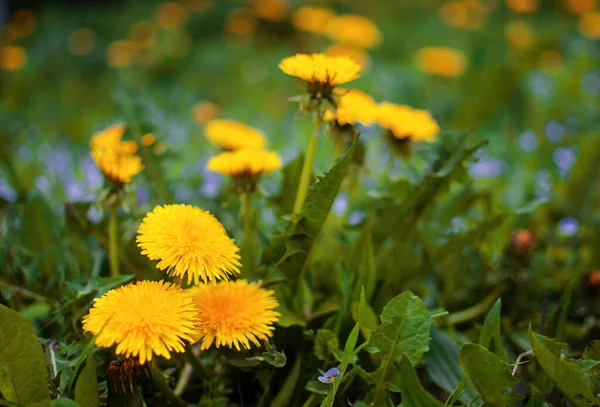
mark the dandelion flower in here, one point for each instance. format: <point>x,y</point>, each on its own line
<point>406,122</point>
<point>523,6</point>
<point>589,24</point>
<point>232,135</point>
<point>143,319</point>
<point>441,61</point>
<point>312,19</point>
<point>188,241</point>
<point>235,313</point>
<point>358,55</point>
<point>247,162</point>
<point>354,106</point>
<point>580,6</point>
<point>271,10</point>
<point>115,158</point>
<point>353,29</point>
<point>12,58</point>
<point>321,72</point>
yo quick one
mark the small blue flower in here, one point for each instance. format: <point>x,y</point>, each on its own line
<point>329,376</point>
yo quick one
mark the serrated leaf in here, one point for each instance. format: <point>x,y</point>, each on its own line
<point>291,250</point>
<point>289,185</point>
<point>565,375</point>
<point>404,329</point>
<point>413,393</point>
<point>86,386</point>
<point>361,265</point>
<point>23,375</point>
<point>491,331</point>
<point>489,375</point>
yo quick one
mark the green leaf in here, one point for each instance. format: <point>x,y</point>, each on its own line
<point>23,375</point>
<point>491,331</point>
<point>557,323</point>
<point>326,343</point>
<point>65,402</point>
<point>443,366</point>
<point>273,357</point>
<point>291,250</point>
<point>489,375</point>
<point>404,329</point>
<point>361,265</point>
<point>413,393</point>
<point>86,386</point>
<point>287,390</point>
<point>289,185</point>
<point>566,375</point>
<point>364,314</point>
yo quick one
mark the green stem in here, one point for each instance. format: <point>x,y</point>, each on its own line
<point>191,357</point>
<point>307,167</point>
<point>113,241</point>
<point>165,390</point>
<point>476,310</point>
<point>246,215</point>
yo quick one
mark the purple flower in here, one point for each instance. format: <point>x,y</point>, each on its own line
<point>329,376</point>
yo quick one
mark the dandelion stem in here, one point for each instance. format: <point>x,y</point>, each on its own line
<point>308,163</point>
<point>248,250</point>
<point>113,240</point>
<point>165,390</point>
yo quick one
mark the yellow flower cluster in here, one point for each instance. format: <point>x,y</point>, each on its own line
<point>441,61</point>
<point>354,106</point>
<point>115,158</point>
<point>407,123</point>
<point>247,162</point>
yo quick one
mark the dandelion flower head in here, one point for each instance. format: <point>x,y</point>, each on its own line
<point>189,243</point>
<point>407,123</point>
<point>312,19</point>
<point>247,162</point>
<point>143,320</point>
<point>358,55</point>
<point>354,106</point>
<point>353,29</point>
<point>234,313</point>
<point>115,158</point>
<point>441,61</point>
<point>232,135</point>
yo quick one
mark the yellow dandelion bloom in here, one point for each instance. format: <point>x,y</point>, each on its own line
<point>247,162</point>
<point>235,313</point>
<point>353,29</point>
<point>117,167</point>
<point>321,72</point>
<point>589,24</point>
<point>271,10</point>
<point>188,242</point>
<point>523,6</point>
<point>12,58</point>
<point>465,14</point>
<point>204,111</point>
<point>406,122</point>
<point>520,35</point>
<point>109,137</point>
<point>358,55</point>
<point>441,61</point>
<point>232,135</point>
<point>312,19</point>
<point>144,319</point>
<point>580,6</point>
<point>170,15</point>
<point>354,106</point>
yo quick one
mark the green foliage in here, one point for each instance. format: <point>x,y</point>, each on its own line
<point>413,393</point>
<point>86,386</point>
<point>490,336</point>
<point>23,376</point>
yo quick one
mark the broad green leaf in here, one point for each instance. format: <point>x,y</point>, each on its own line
<point>326,343</point>
<point>361,266</point>
<point>566,375</point>
<point>291,250</point>
<point>491,332</point>
<point>287,390</point>
<point>364,314</point>
<point>413,393</point>
<point>443,366</point>
<point>404,329</point>
<point>23,374</point>
<point>65,402</point>
<point>489,375</point>
<point>86,386</point>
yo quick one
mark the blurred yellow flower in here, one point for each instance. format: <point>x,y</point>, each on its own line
<point>271,10</point>
<point>465,14</point>
<point>580,6</point>
<point>120,53</point>
<point>358,55</point>
<point>232,135</point>
<point>520,35</point>
<point>145,319</point>
<point>170,15</point>
<point>589,24</point>
<point>321,72</point>
<point>235,313</point>
<point>82,41</point>
<point>12,58</point>
<point>142,33</point>
<point>353,29</point>
<point>204,111</point>
<point>523,6</point>
<point>148,140</point>
<point>247,162</point>
<point>312,19</point>
<point>188,242</point>
<point>441,61</point>
<point>354,106</point>
<point>22,24</point>
<point>240,21</point>
<point>406,122</point>
<point>116,159</point>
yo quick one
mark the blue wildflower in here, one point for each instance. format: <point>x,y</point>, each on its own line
<point>329,376</point>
